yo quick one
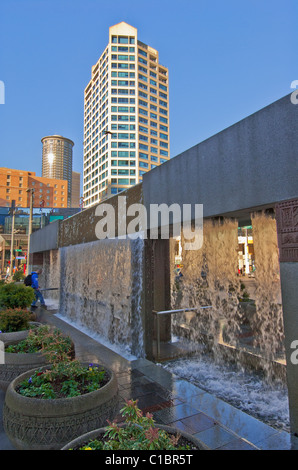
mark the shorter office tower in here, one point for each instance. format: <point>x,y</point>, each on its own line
<point>57,160</point>
<point>48,192</point>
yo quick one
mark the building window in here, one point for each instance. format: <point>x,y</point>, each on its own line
<point>143,155</point>
<point>123,40</point>
<point>123,181</point>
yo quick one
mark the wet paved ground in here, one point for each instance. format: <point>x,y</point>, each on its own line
<point>173,401</point>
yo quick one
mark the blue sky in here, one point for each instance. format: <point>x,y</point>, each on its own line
<point>227,59</point>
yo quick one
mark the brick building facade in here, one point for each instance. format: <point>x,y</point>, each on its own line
<point>48,192</point>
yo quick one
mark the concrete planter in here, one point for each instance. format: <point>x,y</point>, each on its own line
<point>37,424</point>
<point>16,336</point>
<point>16,364</point>
<point>85,438</point>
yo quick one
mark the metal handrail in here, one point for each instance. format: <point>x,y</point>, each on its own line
<point>50,288</point>
<point>180,310</point>
<point>171,312</point>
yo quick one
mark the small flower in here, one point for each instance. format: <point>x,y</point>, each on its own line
<point>87,448</point>
<point>30,380</point>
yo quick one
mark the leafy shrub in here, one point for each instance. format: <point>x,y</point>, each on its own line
<point>18,276</point>
<point>139,433</point>
<point>14,319</point>
<point>16,296</point>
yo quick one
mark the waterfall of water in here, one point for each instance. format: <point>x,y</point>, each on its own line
<point>238,344</point>
<point>101,286</point>
<point>249,333</point>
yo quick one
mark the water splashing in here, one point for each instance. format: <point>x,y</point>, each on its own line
<point>238,344</point>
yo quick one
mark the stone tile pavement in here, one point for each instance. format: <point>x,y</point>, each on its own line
<point>172,401</point>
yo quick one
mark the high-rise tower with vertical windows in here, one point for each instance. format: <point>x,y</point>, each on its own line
<point>126,116</point>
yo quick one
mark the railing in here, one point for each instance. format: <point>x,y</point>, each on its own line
<point>49,288</point>
<point>171,312</point>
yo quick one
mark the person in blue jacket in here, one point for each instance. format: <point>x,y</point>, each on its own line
<point>35,286</point>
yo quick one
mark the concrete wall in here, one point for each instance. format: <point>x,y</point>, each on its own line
<point>45,239</point>
<point>250,164</point>
<point>81,227</point>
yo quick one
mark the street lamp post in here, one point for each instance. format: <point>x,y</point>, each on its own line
<point>31,191</point>
<point>12,212</point>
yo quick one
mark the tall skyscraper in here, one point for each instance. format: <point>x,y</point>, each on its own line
<point>126,116</point>
<point>57,160</point>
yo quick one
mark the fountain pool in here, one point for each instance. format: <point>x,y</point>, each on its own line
<point>242,389</point>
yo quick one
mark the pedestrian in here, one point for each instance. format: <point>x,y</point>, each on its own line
<point>37,292</point>
<point>7,272</point>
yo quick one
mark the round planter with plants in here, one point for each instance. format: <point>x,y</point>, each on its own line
<point>15,324</point>
<point>137,432</point>
<point>36,350</point>
<point>47,407</point>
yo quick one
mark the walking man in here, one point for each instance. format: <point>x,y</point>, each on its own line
<point>35,286</point>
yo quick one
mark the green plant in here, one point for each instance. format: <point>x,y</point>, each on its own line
<point>16,296</point>
<point>14,319</point>
<point>51,343</point>
<point>18,276</point>
<point>64,380</point>
<point>139,433</point>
